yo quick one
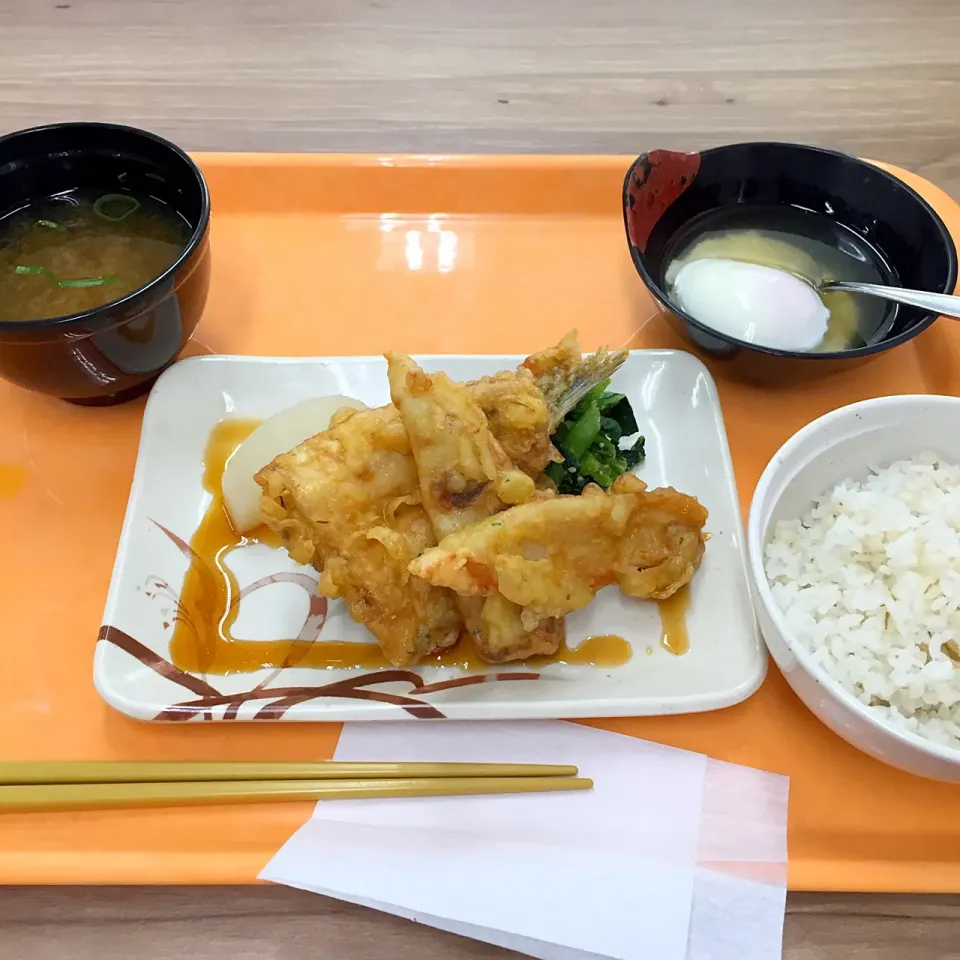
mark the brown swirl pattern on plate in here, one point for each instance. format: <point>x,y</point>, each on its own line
<point>281,698</point>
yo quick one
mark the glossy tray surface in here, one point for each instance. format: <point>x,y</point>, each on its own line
<point>347,256</point>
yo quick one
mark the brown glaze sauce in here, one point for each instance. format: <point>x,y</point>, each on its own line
<point>203,642</point>
<point>673,622</point>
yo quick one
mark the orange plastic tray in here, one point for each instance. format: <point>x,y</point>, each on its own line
<point>319,255</point>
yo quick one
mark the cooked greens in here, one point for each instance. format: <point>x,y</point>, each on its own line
<point>590,438</point>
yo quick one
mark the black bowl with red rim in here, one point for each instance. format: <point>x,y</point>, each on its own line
<point>665,190</point>
<point>113,352</point>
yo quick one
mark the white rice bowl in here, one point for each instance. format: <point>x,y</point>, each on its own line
<point>869,583</point>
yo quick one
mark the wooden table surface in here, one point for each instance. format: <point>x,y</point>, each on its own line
<point>879,78</point>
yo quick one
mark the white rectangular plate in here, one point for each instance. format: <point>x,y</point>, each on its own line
<point>675,401</point>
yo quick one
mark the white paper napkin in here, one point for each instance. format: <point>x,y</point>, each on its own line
<point>623,871</point>
<point>740,885</point>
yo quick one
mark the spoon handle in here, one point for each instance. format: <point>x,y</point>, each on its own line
<point>942,303</point>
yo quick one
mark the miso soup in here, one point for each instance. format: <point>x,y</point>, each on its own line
<point>80,250</point>
<point>812,246</point>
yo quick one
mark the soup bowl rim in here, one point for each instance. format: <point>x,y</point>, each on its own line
<point>190,247</point>
<point>885,344</point>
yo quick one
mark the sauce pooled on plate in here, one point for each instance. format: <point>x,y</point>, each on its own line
<point>203,640</point>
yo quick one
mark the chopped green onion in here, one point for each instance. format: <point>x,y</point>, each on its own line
<point>50,225</point>
<point>129,206</point>
<point>87,282</point>
<point>25,270</point>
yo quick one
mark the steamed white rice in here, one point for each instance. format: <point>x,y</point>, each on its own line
<point>869,582</point>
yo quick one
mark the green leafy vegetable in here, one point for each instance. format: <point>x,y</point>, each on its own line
<point>567,477</point>
<point>580,433</point>
<point>611,429</point>
<point>622,413</point>
<point>589,439</point>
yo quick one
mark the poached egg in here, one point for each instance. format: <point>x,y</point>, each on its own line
<point>753,303</point>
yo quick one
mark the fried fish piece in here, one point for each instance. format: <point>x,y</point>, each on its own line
<point>564,375</point>
<point>466,477</point>
<point>347,501</point>
<point>518,417</point>
<point>551,557</point>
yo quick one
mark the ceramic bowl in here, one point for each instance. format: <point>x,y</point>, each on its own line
<point>664,191</point>
<point>116,351</point>
<point>832,448</point>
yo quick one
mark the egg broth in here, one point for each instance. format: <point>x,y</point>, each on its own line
<point>79,250</point>
<point>811,246</point>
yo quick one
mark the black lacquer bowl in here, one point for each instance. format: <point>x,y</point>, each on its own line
<point>116,351</point>
<point>665,190</point>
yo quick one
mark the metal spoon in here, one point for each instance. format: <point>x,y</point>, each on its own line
<point>942,303</point>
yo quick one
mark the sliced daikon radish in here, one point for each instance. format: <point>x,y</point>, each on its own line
<point>278,434</point>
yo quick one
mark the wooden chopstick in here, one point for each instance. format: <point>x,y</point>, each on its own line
<point>105,796</point>
<point>81,771</point>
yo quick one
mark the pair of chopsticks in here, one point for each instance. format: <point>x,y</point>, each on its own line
<point>81,785</point>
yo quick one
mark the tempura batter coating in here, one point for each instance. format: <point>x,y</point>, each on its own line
<point>551,557</point>
<point>518,416</point>
<point>325,496</point>
<point>347,501</point>
<point>466,477</point>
